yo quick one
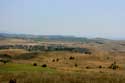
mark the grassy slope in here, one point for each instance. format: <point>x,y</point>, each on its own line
<point>26,73</point>
<point>14,68</point>
<point>62,77</point>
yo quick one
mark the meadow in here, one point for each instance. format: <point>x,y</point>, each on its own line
<point>98,64</point>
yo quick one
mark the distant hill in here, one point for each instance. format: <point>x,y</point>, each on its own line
<point>98,43</point>
<point>45,37</point>
<point>54,38</point>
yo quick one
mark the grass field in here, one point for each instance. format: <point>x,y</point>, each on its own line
<point>12,67</point>
<point>62,71</point>
<point>64,66</point>
<point>37,75</point>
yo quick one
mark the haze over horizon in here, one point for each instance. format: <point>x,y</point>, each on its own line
<point>81,18</point>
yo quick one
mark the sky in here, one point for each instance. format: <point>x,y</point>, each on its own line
<point>82,18</point>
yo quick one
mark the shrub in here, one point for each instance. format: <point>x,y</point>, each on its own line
<point>71,58</point>
<point>57,59</point>
<point>100,67</point>
<point>12,81</point>
<point>88,53</point>
<point>4,61</point>
<point>5,56</point>
<point>87,67</point>
<point>53,60</point>
<point>114,66</point>
<point>76,65</point>
<point>44,65</point>
<point>34,64</point>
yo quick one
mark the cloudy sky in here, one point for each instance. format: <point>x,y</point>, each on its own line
<point>84,18</point>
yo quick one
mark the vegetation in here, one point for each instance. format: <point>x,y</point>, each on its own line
<point>53,60</point>
<point>34,64</point>
<point>4,61</point>
<point>5,56</point>
<point>76,65</point>
<point>62,78</point>
<point>39,48</point>
<point>114,66</point>
<point>28,61</point>
<point>44,65</point>
<point>71,58</point>
<point>100,66</point>
<point>26,56</point>
<point>12,81</point>
<point>15,68</point>
<point>57,59</point>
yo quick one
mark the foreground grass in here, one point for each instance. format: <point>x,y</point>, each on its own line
<point>44,77</point>
<point>27,73</point>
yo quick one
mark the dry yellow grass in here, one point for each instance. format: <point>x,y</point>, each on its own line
<point>13,52</point>
<point>102,55</point>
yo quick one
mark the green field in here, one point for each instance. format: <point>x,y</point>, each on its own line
<point>12,67</point>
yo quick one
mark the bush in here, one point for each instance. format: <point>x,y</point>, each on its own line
<point>76,65</point>
<point>53,60</point>
<point>71,58</point>
<point>34,64</point>
<point>88,53</point>
<point>57,59</point>
<point>5,56</point>
<point>114,66</point>
<point>12,81</point>
<point>4,61</point>
<point>44,65</point>
<point>87,67</point>
<point>100,67</point>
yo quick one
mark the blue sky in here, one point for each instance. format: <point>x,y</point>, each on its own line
<point>86,18</point>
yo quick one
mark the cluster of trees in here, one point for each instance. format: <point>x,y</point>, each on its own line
<point>20,56</point>
<point>5,61</point>
<point>47,48</point>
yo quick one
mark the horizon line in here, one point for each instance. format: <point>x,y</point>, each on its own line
<point>12,33</point>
